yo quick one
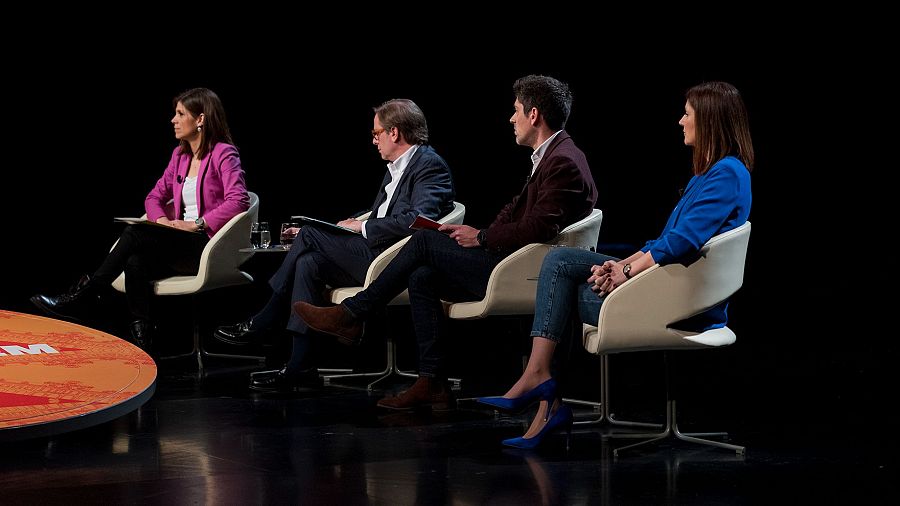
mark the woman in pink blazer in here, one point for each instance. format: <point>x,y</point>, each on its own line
<point>201,189</point>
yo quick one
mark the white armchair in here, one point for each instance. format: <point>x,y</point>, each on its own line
<point>337,295</point>
<point>638,315</point>
<point>219,267</point>
<point>512,287</point>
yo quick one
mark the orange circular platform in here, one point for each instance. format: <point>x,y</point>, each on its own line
<point>57,376</point>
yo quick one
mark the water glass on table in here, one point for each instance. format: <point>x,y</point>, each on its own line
<point>254,235</point>
<point>289,232</point>
<point>260,237</point>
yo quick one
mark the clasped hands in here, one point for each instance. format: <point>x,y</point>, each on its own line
<point>606,278</point>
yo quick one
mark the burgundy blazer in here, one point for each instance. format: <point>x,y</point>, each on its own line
<point>221,191</point>
<point>560,192</point>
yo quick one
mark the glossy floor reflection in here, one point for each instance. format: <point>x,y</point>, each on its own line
<point>212,441</point>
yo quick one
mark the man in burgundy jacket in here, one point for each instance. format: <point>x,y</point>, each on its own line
<point>455,263</point>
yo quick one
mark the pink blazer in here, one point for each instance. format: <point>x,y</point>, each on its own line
<point>221,191</point>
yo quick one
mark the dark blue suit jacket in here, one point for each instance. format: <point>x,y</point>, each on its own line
<point>426,188</point>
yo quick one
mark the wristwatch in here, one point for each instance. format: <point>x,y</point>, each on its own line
<point>481,237</point>
<point>201,223</point>
<point>626,270</point>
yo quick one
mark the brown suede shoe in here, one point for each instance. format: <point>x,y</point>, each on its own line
<point>335,320</point>
<point>425,392</point>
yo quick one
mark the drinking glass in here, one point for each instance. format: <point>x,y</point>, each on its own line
<point>265,237</point>
<point>254,235</point>
<point>289,232</point>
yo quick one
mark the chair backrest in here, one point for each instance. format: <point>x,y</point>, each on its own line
<point>512,287</point>
<point>637,315</point>
<point>220,260</point>
<point>455,217</point>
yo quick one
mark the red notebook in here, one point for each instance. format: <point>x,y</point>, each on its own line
<point>423,222</point>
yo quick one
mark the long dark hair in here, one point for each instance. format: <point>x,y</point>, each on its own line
<point>215,128</point>
<point>720,125</point>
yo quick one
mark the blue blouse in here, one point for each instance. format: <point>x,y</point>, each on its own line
<point>713,203</point>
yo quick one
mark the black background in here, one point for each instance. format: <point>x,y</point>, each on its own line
<point>88,133</point>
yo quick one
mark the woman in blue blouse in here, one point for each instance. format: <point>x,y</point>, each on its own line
<point>717,199</point>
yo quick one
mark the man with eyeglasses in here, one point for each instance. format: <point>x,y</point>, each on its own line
<point>417,182</point>
<point>455,262</point>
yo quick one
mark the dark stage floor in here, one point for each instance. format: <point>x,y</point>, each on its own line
<point>212,441</point>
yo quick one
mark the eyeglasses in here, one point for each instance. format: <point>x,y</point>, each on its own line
<point>376,132</point>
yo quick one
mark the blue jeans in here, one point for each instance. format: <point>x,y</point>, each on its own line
<point>562,287</point>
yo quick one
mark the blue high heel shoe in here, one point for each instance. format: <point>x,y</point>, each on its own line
<point>562,418</point>
<point>546,391</point>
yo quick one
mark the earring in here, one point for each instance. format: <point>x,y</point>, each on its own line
<point>199,127</point>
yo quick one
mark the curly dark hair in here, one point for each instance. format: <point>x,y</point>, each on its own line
<point>550,96</point>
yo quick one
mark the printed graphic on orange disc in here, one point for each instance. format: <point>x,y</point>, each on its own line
<point>55,372</point>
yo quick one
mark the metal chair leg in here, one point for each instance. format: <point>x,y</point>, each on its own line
<point>390,369</point>
<point>195,351</point>
<point>671,430</point>
<point>606,417</point>
<point>199,352</point>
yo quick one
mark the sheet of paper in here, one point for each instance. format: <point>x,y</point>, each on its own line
<point>306,220</point>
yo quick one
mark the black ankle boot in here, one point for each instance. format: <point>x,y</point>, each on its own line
<point>78,304</point>
<point>142,334</point>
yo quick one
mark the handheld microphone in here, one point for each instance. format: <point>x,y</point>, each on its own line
<point>178,178</point>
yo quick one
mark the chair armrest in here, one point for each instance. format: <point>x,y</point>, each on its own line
<point>582,234</point>
<point>225,247</point>
<point>511,288</point>
<point>639,312</point>
<point>381,261</point>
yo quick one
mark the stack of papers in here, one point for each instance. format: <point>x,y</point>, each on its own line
<point>306,220</point>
